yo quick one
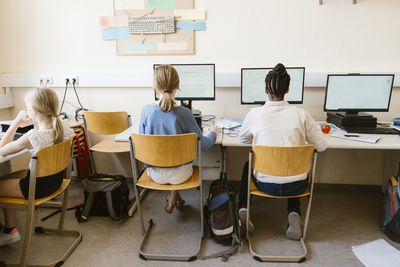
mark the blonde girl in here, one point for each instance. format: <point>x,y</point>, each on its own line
<point>42,109</point>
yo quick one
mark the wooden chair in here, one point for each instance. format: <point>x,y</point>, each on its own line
<point>165,151</point>
<point>48,161</point>
<point>106,123</point>
<point>281,161</point>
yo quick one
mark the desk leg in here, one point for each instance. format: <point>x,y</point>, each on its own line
<point>223,163</point>
<point>391,167</point>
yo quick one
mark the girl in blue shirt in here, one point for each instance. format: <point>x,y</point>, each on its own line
<point>167,118</point>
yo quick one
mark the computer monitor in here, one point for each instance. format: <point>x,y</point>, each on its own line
<point>353,93</point>
<point>197,82</point>
<point>253,85</point>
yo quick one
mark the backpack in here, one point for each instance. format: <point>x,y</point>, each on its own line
<point>391,215</point>
<point>105,195</point>
<point>221,218</point>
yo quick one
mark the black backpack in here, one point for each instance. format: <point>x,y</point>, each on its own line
<point>221,218</point>
<point>105,195</point>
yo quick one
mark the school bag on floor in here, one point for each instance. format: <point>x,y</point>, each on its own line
<point>105,195</point>
<point>391,214</point>
<point>221,218</point>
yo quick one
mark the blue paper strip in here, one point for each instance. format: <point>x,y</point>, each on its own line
<point>115,34</point>
<point>192,26</point>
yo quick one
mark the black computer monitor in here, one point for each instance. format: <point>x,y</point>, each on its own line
<point>197,82</point>
<point>353,93</point>
<point>253,85</point>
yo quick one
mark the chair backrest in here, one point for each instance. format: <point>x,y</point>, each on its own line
<point>165,150</point>
<point>282,161</point>
<point>106,123</point>
<point>53,159</point>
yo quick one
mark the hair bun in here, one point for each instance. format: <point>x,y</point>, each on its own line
<point>279,69</point>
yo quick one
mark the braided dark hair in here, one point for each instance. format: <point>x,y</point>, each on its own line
<point>277,81</point>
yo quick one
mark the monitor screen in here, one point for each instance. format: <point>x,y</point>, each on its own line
<point>358,92</point>
<point>253,85</point>
<point>197,81</point>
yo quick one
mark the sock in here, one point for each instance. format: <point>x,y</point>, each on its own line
<point>8,230</point>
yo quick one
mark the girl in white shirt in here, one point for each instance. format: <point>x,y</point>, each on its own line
<point>42,109</point>
<point>277,123</point>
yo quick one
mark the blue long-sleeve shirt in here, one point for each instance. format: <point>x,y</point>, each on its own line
<point>179,120</point>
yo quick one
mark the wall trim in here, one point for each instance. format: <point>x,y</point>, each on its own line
<point>119,80</point>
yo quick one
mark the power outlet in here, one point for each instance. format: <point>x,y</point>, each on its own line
<point>71,79</point>
<point>45,81</point>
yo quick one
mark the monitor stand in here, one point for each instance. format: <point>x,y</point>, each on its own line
<point>351,119</point>
<point>354,114</point>
<point>196,112</point>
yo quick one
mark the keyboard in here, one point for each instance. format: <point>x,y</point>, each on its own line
<point>371,130</point>
<point>151,24</point>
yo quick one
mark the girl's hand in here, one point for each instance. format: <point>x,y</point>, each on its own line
<point>215,129</point>
<point>22,117</point>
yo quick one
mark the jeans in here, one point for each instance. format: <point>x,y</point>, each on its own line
<point>288,189</point>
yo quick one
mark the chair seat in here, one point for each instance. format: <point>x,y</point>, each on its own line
<point>110,146</point>
<point>193,182</point>
<point>255,191</point>
<point>24,202</point>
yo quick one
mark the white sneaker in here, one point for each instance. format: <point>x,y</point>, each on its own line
<point>242,217</point>
<point>9,238</point>
<point>294,229</point>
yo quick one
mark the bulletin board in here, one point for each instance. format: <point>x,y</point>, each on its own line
<point>179,43</point>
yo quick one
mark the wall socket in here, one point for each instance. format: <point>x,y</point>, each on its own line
<point>45,81</point>
<point>71,78</point>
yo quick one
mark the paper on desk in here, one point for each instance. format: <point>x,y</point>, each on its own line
<point>124,136</point>
<point>397,127</point>
<point>377,253</point>
<point>368,138</point>
<point>223,123</point>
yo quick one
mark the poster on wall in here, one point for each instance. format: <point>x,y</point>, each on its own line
<point>153,27</point>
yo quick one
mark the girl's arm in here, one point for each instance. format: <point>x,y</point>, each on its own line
<point>7,146</point>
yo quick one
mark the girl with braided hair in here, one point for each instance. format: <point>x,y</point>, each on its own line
<point>277,123</point>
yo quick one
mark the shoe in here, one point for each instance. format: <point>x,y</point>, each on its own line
<point>168,207</point>
<point>9,238</point>
<point>179,203</point>
<point>242,217</point>
<point>294,229</point>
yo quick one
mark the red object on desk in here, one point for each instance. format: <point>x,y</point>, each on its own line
<point>325,128</point>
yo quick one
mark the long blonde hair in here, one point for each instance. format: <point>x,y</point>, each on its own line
<point>45,102</point>
<point>165,81</point>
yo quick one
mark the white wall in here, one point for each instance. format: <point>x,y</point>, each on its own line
<point>63,37</point>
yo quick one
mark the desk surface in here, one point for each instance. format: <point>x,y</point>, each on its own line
<point>6,158</point>
<point>386,142</point>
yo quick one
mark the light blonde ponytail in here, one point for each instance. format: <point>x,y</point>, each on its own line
<point>59,131</point>
<point>166,80</point>
<point>45,102</point>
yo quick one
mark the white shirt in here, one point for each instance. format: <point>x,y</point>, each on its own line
<point>44,138</point>
<point>277,123</point>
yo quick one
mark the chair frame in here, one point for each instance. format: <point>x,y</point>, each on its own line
<point>30,207</point>
<point>277,258</point>
<point>145,232</point>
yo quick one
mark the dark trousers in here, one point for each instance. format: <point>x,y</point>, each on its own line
<point>288,189</point>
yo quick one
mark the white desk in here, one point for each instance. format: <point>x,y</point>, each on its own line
<point>389,143</point>
<point>7,158</point>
